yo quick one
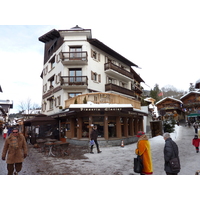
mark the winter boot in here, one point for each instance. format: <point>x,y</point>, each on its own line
<point>98,151</point>
<point>91,150</point>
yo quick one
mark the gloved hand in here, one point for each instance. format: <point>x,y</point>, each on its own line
<point>3,158</point>
<point>25,155</point>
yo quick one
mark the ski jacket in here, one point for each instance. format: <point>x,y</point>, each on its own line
<point>144,149</point>
<point>170,151</point>
<point>196,142</point>
<point>94,134</point>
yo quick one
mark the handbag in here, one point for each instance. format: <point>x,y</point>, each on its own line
<point>175,162</point>
<point>138,164</point>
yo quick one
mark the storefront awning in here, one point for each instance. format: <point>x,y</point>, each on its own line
<point>194,115</point>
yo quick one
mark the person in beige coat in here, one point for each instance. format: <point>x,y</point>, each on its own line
<point>14,151</point>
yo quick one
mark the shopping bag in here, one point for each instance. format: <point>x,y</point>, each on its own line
<point>91,142</point>
<point>175,165</point>
<point>138,164</point>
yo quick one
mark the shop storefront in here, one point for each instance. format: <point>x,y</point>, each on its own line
<point>114,122</point>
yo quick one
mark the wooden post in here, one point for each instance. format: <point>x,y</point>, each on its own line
<point>118,127</point>
<point>79,128</point>
<point>72,127</point>
<point>106,127</point>
<point>125,126</point>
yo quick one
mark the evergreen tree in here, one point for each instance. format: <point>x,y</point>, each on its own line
<point>155,93</point>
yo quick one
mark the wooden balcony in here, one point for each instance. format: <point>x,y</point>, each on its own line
<point>113,69</point>
<point>122,90</point>
<point>100,97</point>
<point>74,58</point>
<point>138,89</point>
<point>74,82</point>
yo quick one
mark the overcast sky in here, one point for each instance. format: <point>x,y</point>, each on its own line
<point>161,37</point>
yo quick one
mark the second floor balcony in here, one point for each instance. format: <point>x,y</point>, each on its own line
<point>74,58</point>
<point>74,82</point>
<point>119,89</point>
<point>113,69</point>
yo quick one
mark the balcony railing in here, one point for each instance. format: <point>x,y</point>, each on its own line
<point>99,98</point>
<point>122,90</point>
<point>74,57</point>
<point>74,81</point>
<point>137,88</point>
<point>111,66</point>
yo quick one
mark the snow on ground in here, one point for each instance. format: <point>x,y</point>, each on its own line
<point>119,161</point>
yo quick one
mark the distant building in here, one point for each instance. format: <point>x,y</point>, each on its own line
<point>191,105</point>
<point>171,106</point>
<point>5,106</point>
<point>86,82</point>
<point>197,84</point>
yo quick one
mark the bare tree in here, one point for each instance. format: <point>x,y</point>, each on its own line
<point>27,106</point>
<point>171,91</point>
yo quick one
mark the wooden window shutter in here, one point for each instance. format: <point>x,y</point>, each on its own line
<point>91,53</point>
<point>92,75</point>
<point>99,56</point>
<point>99,77</point>
<point>55,101</point>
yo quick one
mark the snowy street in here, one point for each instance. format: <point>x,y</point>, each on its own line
<point>113,160</point>
<point>117,160</point>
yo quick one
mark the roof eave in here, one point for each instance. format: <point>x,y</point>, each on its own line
<point>111,52</point>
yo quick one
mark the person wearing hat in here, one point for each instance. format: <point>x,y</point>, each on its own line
<point>144,150</point>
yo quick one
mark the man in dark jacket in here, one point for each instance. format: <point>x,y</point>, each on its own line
<point>170,152</point>
<point>94,136</point>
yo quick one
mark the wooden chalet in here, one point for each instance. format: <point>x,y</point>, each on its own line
<point>170,105</point>
<point>191,105</point>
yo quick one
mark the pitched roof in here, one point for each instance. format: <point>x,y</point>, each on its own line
<point>171,98</point>
<point>110,51</point>
<point>189,94</point>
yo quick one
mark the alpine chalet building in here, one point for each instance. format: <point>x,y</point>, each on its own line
<point>86,82</point>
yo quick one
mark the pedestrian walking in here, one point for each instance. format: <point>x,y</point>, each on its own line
<point>14,151</point>
<point>9,130</point>
<point>195,142</point>
<point>196,126</point>
<point>170,152</point>
<point>94,136</point>
<point>144,150</point>
<point>5,131</point>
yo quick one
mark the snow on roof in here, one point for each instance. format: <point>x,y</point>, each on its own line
<point>103,105</point>
<point>6,102</point>
<point>106,105</point>
<point>169,98</point>
<point>189,94</point>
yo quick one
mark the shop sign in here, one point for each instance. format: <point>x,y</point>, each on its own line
<point>101,109</point>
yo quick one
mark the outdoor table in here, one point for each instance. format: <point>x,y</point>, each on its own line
<point>41,144</point>
<point>64,145</point>
<point>51,140</point>
<point>50,146</point>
